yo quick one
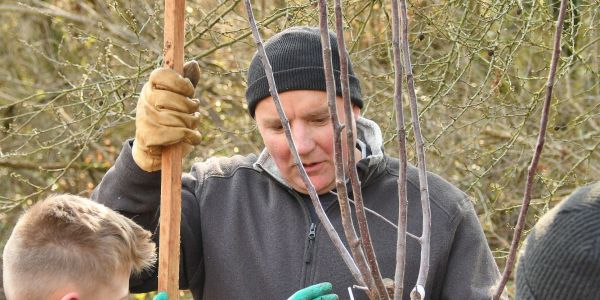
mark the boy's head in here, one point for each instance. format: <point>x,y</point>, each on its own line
<point>69,247</point>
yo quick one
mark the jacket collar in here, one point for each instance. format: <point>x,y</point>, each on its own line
<point>368,132</point>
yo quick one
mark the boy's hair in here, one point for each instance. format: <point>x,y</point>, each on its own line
<point>67,239</point>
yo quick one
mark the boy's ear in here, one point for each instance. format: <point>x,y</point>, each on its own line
<point>71,296</point>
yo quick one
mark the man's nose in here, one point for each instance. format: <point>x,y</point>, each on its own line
<point>303,139</point>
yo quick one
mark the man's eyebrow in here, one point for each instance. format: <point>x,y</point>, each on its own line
<point>319,113</point>
<point>272,122</point>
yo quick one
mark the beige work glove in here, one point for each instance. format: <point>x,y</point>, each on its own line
<point>166,114</point>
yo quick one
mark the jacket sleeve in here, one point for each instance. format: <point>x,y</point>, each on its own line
<point>135,193</point>
<point>471,270</point>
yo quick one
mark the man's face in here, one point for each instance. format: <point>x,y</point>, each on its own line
<point>311,128</point>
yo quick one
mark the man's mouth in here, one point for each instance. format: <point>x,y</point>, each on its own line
<point>311,167</point>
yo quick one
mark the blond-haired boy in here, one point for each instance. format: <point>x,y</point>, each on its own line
<point>68,247</point>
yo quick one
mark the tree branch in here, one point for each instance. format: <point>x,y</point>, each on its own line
<point>419,290</point>
<point>103,167</point>
<point>536,155</point>
<point>371,273</point>
<point>401,136</point>
<point>340,173</point>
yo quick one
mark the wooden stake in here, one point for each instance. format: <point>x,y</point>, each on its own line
<point>170,194</point>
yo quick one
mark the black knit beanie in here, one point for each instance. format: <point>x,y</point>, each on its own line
<point>561,256</point>
<point>297,61</point>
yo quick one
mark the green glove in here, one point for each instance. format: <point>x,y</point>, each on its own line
<point>161,296</point>
<point>320,291</point>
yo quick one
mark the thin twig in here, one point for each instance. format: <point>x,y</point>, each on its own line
<point>419,290</point>
<point>401,135</point>
<point>361,217</point>
<point>333,235</point>
<point>536,155</point>
<point>376,214</point>
<point>53,166</point>
<point>353,241</point>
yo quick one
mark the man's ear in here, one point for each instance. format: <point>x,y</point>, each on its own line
<point>355,111</point>
<point>71,296</point>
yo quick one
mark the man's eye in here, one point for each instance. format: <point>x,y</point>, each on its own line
<point>321,120</point>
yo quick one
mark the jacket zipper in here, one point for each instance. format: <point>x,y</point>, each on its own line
<point>311,237</point>
<point>312,234</point>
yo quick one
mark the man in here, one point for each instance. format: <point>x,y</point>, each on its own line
<point>248,228</point>
<point>70,248</point>
<point>561,256</point>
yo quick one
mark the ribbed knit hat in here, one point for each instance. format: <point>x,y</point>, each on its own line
<point>297,61</point>
<point>561,256</point>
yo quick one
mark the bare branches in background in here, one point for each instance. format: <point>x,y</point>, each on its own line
<point>532,170</point>
<point>72,70</point>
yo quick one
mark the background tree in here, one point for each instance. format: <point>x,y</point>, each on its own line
<point>72,71</point>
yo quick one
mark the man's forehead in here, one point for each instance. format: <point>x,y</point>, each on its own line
<point>312,112</point>
<point>318,111</point>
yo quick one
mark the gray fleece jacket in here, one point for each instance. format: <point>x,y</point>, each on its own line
<point>245,234</point>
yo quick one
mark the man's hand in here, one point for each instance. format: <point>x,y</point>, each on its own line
<point>166,114</point>
<point>320,291</point>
